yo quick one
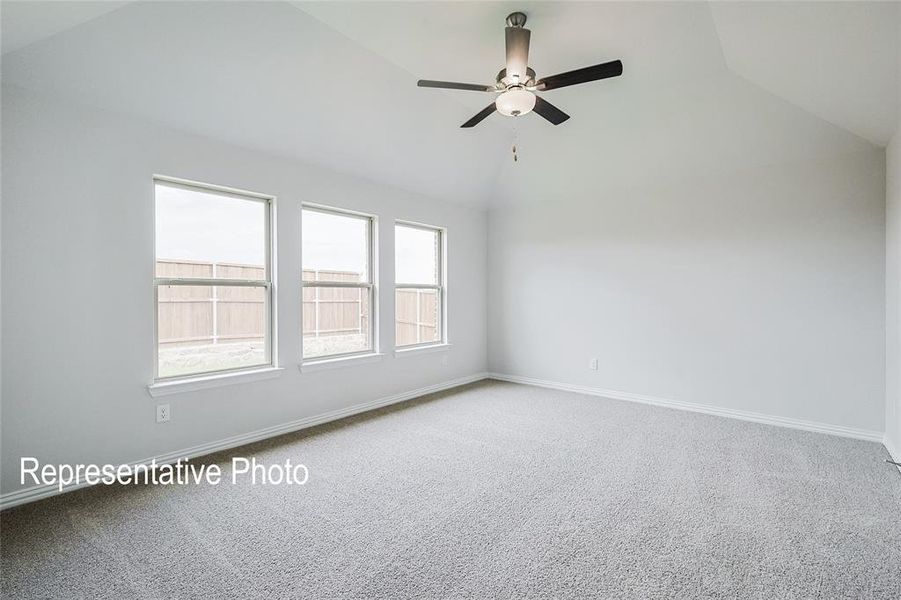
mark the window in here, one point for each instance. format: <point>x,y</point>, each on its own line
<point>338,299</point>
<point>213,280</point>
<point>419,285</point>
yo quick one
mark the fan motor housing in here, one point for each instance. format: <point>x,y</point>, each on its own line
<point>502,78</point>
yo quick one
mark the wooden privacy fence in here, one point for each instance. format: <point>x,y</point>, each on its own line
<point>207,314</point>
<point>416,316</point>
<point>190,315</point>
<point>334,311</point>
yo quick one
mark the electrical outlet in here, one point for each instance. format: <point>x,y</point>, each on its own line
<point>444,360</point>
<point>593,364</point>
<point>162,413</point>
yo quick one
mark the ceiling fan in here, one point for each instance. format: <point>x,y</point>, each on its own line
<point>517,85</point>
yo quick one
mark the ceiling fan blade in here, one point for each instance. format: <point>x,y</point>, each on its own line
<point>517,39</point>
<point>603,71</point>
<point>549,111</point>
<point>481,116</point>
<point>452,85</point>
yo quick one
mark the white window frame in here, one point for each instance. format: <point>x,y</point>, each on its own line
<point>268,284</point>
<point>370,286</point>
<point>440,287</point>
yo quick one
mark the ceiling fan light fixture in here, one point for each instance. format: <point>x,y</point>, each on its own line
<point>516,82</point>
<point>515,102</point>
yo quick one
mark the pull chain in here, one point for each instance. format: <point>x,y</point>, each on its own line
<point>515,139</point>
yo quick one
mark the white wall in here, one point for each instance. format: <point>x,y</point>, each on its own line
<point>760,290</point>
<point>893,295</point>
<point>77,336</point>
<point>893,279</point>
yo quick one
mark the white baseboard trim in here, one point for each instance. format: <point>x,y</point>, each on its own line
<point>37,492</point>
<point>893,450</point>
<point>850,432</point>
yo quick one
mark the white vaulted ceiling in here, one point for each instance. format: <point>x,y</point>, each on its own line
<point>838,60</point>
<point>266,76</point>
<point>706,87</point>
<point>23,23</point>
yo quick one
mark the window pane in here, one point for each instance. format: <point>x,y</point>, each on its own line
<point>416,316</point>
<point>204,234</point>
<point>211,328</point>
<point>415,255</point>
<point>335,321</point>
<point>335,247</point>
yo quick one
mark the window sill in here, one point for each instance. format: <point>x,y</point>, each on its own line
<point>417,350</point>
<point>338,362</point>
<point>178,386</point>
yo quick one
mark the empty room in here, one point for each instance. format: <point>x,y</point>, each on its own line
<point>427,300</point>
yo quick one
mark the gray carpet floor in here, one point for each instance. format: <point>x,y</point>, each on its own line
<point>492,490</point>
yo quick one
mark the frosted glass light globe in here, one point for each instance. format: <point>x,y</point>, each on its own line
<point>515,102</point>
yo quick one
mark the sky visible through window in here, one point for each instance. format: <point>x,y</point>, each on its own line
<point>333,242</point>
<point>196,225</point>
<point>415,255</point>
<point>193,225</point>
